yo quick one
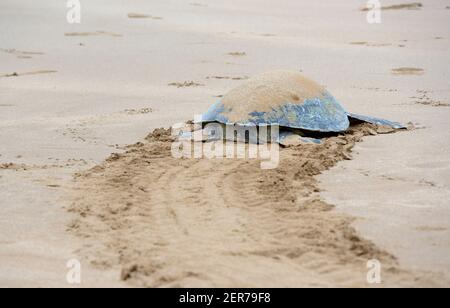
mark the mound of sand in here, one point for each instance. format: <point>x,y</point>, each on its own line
<point>172,222</point>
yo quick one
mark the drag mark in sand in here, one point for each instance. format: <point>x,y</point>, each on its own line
<point>168,222</point>
<point>22,54</point>
<point>408,71</point>
<point>372,44</point>
<point>143,16</point>
<point>96,33</point>
<point>405,6</point>
<point>15,74</point>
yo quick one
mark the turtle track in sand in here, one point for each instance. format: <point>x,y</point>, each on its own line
<point>166,222</point>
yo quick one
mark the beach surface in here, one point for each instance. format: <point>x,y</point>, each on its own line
<point>73,94</point>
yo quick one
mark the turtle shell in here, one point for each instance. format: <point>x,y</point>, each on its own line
<point>283,98</point>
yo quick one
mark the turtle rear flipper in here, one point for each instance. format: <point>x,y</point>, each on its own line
<point>355,118</point>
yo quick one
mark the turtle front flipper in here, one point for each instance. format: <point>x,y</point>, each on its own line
<point>377,121</point>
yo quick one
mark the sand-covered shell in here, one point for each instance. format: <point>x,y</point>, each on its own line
<point>286,99</point>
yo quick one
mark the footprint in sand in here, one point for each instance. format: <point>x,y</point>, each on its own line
<point>14,167</point>
<point>237,54</point>
<point>408,71</point>
<point>138,111</point>
<point>423,98</point>
<point>143,16</point>
<point>185,84</point>
<point>15,74</point>
<point>96,33</point>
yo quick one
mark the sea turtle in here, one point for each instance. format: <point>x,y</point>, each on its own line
<point>287,99</point>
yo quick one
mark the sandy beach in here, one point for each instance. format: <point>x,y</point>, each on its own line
<point>85,177</point>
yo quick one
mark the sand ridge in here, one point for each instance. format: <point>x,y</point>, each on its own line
<point>166,222</point>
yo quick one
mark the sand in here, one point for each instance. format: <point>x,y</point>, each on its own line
<point>143,16</point>
<point>408,71</point>
<point>167,222</point>
<point>393,195</point>
<point>403,6</point>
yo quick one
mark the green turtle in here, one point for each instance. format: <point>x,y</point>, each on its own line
<point>288,100</point>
